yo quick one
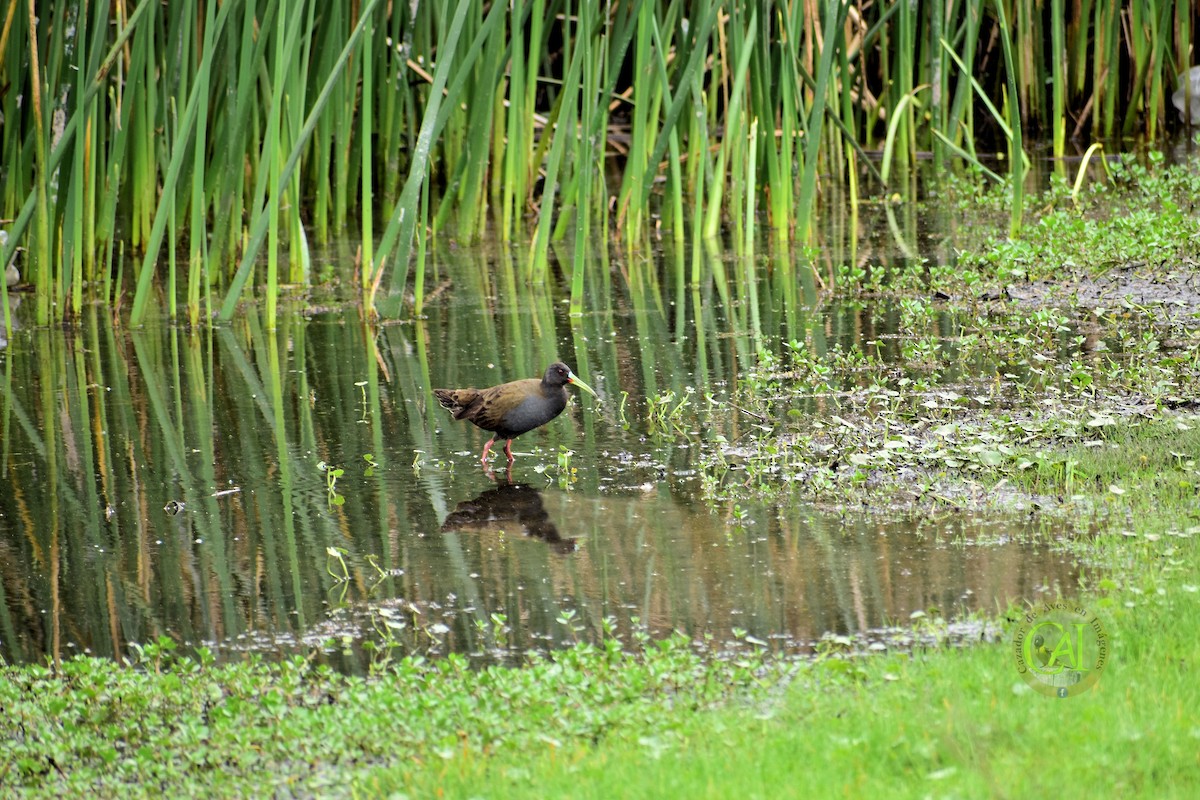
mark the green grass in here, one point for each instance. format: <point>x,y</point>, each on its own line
<point>251,728</point>
<point>1147,464</point>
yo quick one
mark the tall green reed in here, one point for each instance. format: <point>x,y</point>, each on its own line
<point>43,191</point>
<point>242,130</point>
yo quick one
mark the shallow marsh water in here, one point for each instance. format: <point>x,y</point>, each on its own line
<point>169,482</point>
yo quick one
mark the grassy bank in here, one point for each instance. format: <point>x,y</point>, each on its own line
<point>106,730</point>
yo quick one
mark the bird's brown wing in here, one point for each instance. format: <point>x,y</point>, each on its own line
<point>489,411</point>
<point>487,408</point>
<point>460,402</point>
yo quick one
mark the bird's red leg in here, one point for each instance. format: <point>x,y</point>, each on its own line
<point>508,450</point>
<point>487,448</point>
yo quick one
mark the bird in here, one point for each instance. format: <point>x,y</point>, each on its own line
<point>513,408</point>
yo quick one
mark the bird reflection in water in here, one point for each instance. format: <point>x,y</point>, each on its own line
<point>499,508</point>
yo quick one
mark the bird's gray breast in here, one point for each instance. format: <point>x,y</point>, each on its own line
<point>534,411</point>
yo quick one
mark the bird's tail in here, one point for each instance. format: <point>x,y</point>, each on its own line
<point>456,400</point>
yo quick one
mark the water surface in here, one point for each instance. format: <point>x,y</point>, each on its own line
<point>175,482</point>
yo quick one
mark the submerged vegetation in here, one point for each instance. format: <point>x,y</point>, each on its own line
<point>1022,360</point>
<point>176,154</point>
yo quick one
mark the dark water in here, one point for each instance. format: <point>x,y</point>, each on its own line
<point>170,482</point>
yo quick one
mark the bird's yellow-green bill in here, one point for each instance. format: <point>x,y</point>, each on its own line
<point>574,380</point>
